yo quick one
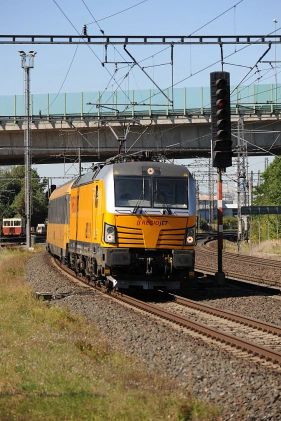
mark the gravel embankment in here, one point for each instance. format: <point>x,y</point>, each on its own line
<point>246,390</point>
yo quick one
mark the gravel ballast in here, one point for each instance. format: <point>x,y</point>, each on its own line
<point>244,389</point>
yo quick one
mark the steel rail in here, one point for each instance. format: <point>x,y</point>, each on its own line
<point>229,315</point>
<point>255,349</point>
<point>236,274</point>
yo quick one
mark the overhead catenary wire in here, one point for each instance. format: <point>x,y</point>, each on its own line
<point>173,84</point>
<point>95,21</point>
<point>83,38</point>
<point>102,31</point>
<point>117,13</point>
<point>228,9</point>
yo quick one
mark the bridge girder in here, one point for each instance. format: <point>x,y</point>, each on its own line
<point>71,139</point>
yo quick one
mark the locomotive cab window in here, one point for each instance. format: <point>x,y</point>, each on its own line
<point>132,191</point>
<point>149,192</point>
<point>170,191</point>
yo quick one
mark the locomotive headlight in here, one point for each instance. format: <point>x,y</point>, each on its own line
<point>190,237</point>
<point>109,233</point>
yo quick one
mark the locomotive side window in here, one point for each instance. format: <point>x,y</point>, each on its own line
<point>59,210</point>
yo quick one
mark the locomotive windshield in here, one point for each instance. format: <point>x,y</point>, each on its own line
<point>157,192</point>
<point>170,191</point>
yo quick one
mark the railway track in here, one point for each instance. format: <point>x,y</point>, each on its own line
<point>238,267</point>
<point>248,338</point>
<point>7,242</point>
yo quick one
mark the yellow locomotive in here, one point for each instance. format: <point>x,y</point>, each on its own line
<point>127,223</point>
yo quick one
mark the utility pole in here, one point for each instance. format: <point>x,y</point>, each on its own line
<point>198,221</point>
<point>211,193</point>
<point>275,70</point>
<point>242,187</point>
<point>27,63</point>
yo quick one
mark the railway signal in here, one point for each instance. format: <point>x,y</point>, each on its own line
<point>221,120</point>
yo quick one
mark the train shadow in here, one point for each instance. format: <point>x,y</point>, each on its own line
<point>206,289</point>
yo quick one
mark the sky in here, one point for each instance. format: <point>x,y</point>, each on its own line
<point>71,68</point>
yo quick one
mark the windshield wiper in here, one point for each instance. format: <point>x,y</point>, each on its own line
<point>138,202</point>
<point>163,201</point>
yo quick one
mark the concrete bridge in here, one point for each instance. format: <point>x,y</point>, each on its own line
<point>93,126</point>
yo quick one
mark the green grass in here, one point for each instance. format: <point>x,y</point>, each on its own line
<point>57,366</point>
<point>267,249</point>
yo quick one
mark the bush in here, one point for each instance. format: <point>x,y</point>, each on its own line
<point>204,224</point>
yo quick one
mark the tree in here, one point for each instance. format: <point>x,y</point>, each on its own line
<point>268,193</point>
<point>12,195</point>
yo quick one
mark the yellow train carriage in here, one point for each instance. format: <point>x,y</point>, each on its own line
<point>58,221</point>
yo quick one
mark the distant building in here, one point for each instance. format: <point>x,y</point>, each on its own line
<point>207,209</point>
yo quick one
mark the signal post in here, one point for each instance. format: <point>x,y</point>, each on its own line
<point>221,148</point>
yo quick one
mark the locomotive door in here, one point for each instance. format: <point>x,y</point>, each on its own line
<point>95,210</point>
<point>74,214</point>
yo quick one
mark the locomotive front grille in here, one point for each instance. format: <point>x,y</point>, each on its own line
<point>171,238</point>
<point>129,237</point>
<point>133,237</point>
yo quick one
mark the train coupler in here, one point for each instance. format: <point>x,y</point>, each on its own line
<point>110,282</point>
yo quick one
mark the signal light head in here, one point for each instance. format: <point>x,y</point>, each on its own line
<point>221,83</point>
<point>221,93</point>
<point>221,103</point>
<point>222,114</point>
<point>222,124</point>
<point>222,134</point>
<point>222,146</point>
<point>221,120</point>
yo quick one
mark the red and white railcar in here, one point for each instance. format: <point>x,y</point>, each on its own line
<point>13,227</point>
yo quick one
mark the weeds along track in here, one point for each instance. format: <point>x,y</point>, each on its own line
<point>238,267</point>
<point>247,338</point>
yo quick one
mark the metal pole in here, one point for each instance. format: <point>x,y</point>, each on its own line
<point>276,225</point>
<point>275,71</point>
<point>172,64</point>
<point>220,276</point>
<point>27,161</point>
<point>268,226</point>
<point>259,228</point>
<point>27,62</point>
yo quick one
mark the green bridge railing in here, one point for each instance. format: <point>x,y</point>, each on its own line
<point>253,99</point>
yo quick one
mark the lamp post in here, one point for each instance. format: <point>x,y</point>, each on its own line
<point>27,63</point>
<point>275,21</point>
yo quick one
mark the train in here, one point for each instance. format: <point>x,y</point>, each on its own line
<point>41,229</point>
<point>13,227</point>
<point>128,223</point>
